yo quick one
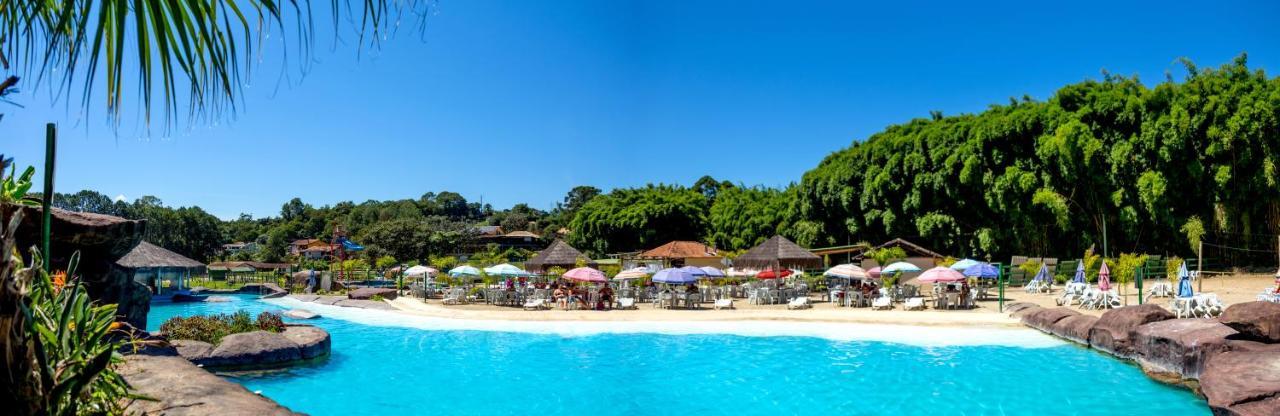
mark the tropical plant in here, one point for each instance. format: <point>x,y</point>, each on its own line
<point>885,256</point>
<point>200,51</point>
<point>1171,267</point>
<point>212,329</point>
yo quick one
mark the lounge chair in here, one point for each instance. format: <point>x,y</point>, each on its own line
<point>626,303</point>
<point>800,302</point>
<point>535,304</point>
<point>723,303</point>
<point>454,297</point>
<point>882,302</point>
<point>914,304</point>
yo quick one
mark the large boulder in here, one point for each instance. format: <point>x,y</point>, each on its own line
<point>1244,383</point>
<point>191,349</point>
<point>101,240</point>
<point>175,387</point>
<point>300,314</point>
<point>1075,327</point>
<point>1043,318</point>
<point>1017,306</point>
<point>252,349</point>
<point>313,342</point>
<point>368,293</point>
<point>1257,321</point>
<point>363,304</point>
<point>1179,346</point>
<point>1023,312</point>
<point>1112,331</point>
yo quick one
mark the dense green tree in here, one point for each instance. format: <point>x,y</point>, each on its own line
<point>637,218</point>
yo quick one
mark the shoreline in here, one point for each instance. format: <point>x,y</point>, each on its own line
<point>941,329</point>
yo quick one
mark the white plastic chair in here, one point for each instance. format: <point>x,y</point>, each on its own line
<point>800,302</point>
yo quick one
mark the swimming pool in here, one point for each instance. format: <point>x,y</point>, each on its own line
<point>390,364</point>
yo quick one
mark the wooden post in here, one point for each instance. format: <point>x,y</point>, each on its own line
<point>1200,267</point>
<point>50,150</point>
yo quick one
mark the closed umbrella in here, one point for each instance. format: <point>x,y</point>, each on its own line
<point>964,264</point>
<point>676,276</point>
<point>847,271</point>
<point>1042,276</point>
<point>982,271</point>
<point>1104,277</point>
<point>1079,278</point>
<point>1184,282</point>
<point>585,274</point>
<point>901,266</point>
<point>940,274</point>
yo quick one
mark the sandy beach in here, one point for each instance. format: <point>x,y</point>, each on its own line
<point>1230,289</point>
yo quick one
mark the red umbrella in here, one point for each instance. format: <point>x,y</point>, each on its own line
<point>771,274</point>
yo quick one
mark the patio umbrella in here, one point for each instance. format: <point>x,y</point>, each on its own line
<point>772,274</point>
<point>874,272</point>
<point>585,274</point>
<point>901,266</point>
<point>696,271</point>
<point>1184,282</point>
<point>847,271</point>
<point>736,272</point>
<point>674,276</point>
<point>631,274</point>
<point>505,270</point>
<point>940,274</point>
<point>1104,277</point>
<point>1042,275</point>
<point>964,264</point>
<point>420,271</point>
<point>1079,278</point>
<point>712,271</point>
<point>982,271</point>
<point>464,270</point>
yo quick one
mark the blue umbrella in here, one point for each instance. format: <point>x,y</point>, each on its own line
<point>676,276</point>
<point>964,264</point>
<point>1184,282</point>
<point>1042,275</point>
<point>712,271</point>
<point>983,271</point>
<point>1079,273</point>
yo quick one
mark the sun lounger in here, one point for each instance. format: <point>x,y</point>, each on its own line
<point>626,303</point>
<point>883,302</point>
<point>724,303</point>
<point>914,304</point>
<point>800,302</point>
<point>535,304</point>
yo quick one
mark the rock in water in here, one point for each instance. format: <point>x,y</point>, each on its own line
<point>1112,331</point>
<point>1257,321</point>
<point>367,293</point>
<point>301,314</point>
<point>1242,383</point>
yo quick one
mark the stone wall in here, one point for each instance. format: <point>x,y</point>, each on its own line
<point>1233,362</point>
<point>100,240</point>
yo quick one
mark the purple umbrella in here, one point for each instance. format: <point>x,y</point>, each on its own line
<point>677,276</point>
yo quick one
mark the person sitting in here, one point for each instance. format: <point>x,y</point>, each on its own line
<point>606,298</point>
<point>561,299</point>
<point>691,288</point>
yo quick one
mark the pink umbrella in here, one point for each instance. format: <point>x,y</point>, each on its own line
<point>940,274</point>
<point>585,274</point>
<point>874,272</point>
<point>1104,277</point>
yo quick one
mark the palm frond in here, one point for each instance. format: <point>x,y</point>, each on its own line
<point>192,54</point>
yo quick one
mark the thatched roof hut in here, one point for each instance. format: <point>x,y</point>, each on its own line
<point>558,254</point>
<point>147,255</point>
<point>775,253</point>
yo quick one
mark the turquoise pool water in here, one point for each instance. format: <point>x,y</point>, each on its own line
<point>382,366</point>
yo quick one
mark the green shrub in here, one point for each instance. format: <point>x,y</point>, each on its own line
<point>212,329</point>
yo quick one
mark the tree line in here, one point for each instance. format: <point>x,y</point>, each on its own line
<point>1152,169</point>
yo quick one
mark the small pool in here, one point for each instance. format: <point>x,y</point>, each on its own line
<point>388,364</point>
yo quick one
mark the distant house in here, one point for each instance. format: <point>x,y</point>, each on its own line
<point>296,247</point>
<point>239,247</point>
<point>484,231</point>
<point>164,271</point>
<point>310,248</point>
<point>677,254</point>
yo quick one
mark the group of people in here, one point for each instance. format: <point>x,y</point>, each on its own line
<point>564,294</point>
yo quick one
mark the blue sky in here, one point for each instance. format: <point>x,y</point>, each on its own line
<point>520,101</point>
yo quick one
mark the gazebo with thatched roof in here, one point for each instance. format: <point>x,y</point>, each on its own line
<point>777,253</point>
<point>159,269</point>
<point>558,254</point>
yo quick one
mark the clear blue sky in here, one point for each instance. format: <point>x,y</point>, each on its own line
<point>519,101</point>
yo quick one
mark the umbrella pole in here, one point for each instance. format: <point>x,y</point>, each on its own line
<point>1000,279</point>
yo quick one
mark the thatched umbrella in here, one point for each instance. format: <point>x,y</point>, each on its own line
<point>558,254</point>
<point>776,253</point>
